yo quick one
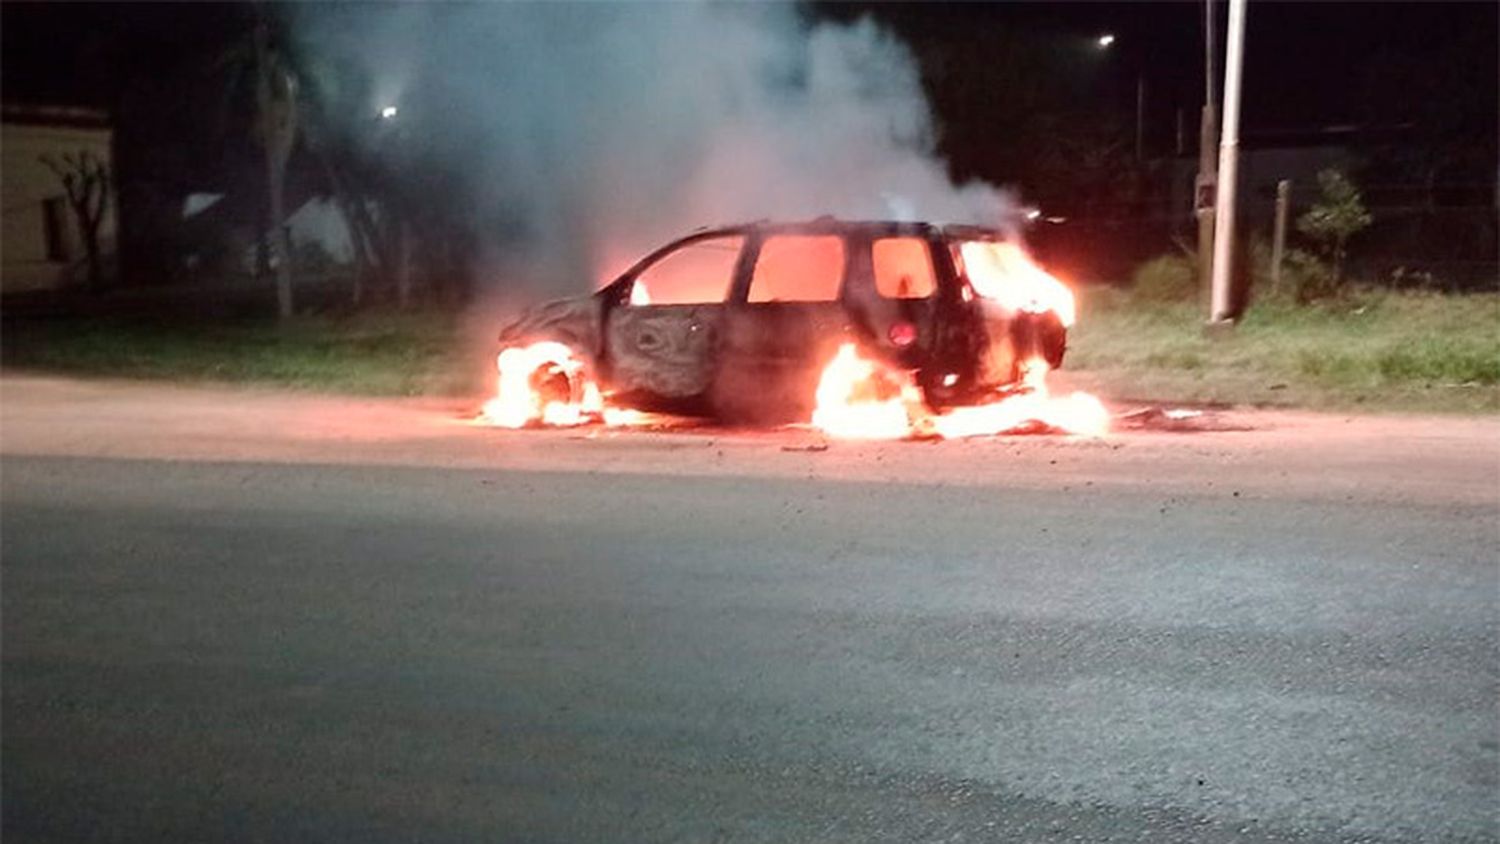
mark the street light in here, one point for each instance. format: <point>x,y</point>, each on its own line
<point>388,113</point>
<point>1104,42</point>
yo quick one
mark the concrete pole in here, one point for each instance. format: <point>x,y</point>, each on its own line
<point>1208,130</point>
<point>1278,234</point>
<point>1229,143</point>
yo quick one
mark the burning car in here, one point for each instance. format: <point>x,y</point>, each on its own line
<point>750,322</point>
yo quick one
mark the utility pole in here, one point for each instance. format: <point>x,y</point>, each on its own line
<point>1229,143</point>
<point>1278,236</point>
<point>1203,187</point>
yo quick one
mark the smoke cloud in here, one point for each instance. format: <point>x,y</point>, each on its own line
<point>586,134</point>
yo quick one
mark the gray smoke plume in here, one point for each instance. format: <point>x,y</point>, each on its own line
<point>590,133</point>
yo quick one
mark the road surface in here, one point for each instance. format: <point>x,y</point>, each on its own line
<point>243,615</point>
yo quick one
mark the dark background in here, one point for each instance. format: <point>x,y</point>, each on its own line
<point>1022,95</point>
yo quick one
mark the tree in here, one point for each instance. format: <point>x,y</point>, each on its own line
<point>363,157</point>
<point>85,180</point>
<point>276,130</point>
<point>273,111</point>
<point>1338,215</point>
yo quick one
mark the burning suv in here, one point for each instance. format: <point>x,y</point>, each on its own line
<point>747,322</point>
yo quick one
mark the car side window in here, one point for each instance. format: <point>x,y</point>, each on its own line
<point>903,268</point>
<point>798,268</point>
<point>697,273</point>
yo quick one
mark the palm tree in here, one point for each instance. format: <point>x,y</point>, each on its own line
<point>276,130</point>
<point>274,124</point>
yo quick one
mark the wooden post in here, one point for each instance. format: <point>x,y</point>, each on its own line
<point>1204,190</point>
<point>1208,140</point>
<point>1278,234</point>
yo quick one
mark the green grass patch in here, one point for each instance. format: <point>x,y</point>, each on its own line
<point>1377,350</point>
<point>374,354</point>
<point>1373,349</point>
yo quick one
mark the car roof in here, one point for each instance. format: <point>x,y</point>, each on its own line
<point>834,225</point>
<point>823,225</point>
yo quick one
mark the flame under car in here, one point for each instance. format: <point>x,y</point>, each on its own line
<point>740,322</point>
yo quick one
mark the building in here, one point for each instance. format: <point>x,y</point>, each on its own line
<point>42,247</point>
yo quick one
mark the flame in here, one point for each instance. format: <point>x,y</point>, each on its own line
<point>545,383</point>
<point>858,398</point>
<point>639,295</point>
<point>1034,405</point>
<point>1003,272</point>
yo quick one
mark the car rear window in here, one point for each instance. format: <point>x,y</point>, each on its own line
<point>798,268</point>
<point>696,273</point>
<point>903,268</point>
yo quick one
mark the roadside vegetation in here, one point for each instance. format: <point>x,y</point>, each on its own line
<point>380,354</point>
<point>1370,348</point>
<point>1310,336</point>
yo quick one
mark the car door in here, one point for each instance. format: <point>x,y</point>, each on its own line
<point>892,294</point>
<point>783,326</point>
<point>663,337</point>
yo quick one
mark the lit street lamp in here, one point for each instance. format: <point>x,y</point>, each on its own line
<point>1104,42</point>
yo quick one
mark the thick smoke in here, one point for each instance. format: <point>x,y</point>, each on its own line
<point>590,133</point>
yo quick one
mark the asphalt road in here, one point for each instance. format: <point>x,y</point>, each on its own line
<point>246,616</point>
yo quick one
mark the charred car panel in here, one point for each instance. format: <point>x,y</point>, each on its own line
<point>666,350</point>
<point>573,322</point>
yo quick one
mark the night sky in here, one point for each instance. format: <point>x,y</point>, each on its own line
<point>1304,61</point>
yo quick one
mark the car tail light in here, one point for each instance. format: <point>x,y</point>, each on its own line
<point>902,334</point>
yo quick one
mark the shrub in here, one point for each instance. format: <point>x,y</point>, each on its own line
<point>1308,275</point>
<point>1338,215</point>
<point>1172,277</point>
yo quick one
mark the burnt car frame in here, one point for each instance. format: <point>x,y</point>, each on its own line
<point>748,336</point>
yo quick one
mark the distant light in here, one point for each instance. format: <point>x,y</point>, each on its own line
<point>1033,214</point>
<point>1105,40</point>
<point>388,113</point>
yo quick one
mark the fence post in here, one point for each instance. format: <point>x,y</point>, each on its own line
<point>1278,236</point>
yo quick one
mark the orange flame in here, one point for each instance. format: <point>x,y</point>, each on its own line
<point>1003,272</point>
<point>1079,413</point>
<point>545,383</point>
<point>860,399</point>
<point>851,401</point>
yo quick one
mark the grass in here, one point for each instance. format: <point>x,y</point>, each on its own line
<point>1373,349</point>
<point>374,354</point>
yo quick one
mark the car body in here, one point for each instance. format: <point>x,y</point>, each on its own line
<point>738,321</point>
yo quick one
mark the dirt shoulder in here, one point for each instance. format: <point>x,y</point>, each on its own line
<point>1415,459</point>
